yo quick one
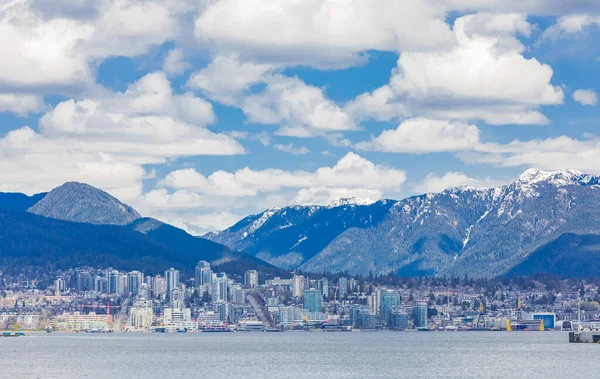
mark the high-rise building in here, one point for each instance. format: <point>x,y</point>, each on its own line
<point>313,300</point>
<point>59,286</point>
<point>134,280</point>
<point>342,288</point>
<point>225,311</point>
<point>202,274</point>
<point>238,295</point>
<point>112,277</point>
<point>352,285</point>
<point>144,291</point>
<point>84,281</point>
<point>172,278</point>
<point>159,287</point>
<point>223,282</point>
<point>323,285</point>
<point>251,278</point>
<point>100,284</point>
<point>397,319</point>
<point>420,315</point>
<point>176,299</point>
<point>297,286</point>
<point>389,300</point>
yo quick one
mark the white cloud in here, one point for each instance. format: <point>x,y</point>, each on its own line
<point>226,78</point>
<point>174,64</point>
<point>105,140</point>
<point>421,136</point>
<point>586,96</point>
<point>20,104</point>
<point>290,148</point>
<point>320,33</point>
<point>548,154</point>
<point>352,175</point>
<point>300,109</point>
<point>435,183</point>
<point>483,76</point>
<point>59,49</point>
<point>533,7</point>
<point>571,24</point>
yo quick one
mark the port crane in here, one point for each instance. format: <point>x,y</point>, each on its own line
<point>108,307</point>
<point>480,324</point>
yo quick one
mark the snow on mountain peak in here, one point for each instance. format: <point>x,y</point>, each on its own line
<point>350,201</point>
<point>556,178</point>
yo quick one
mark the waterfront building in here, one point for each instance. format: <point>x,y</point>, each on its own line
<point>172,278</point>
<point>141,315</point>
<point>397,319</point>
<point>174,318</point>
<point>366,320</point>
<point>77,321</point>
<point>313,300</point>
<point>289,315</point>
<point>548,318</point>
<point>420,315</point>
<point>251,278</point>
<point>389,300</point>
<point>225,311</point>
<point>297,286</point>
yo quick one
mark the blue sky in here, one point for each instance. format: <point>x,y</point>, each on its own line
<point>201,112</point>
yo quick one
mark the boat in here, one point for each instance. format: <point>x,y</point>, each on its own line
<point>586,335</point>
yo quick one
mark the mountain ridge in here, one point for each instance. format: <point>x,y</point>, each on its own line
<point>478,231</point>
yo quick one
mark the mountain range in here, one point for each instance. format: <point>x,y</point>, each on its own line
<point>542,223</point>
<point>79,225</point>
<point>530,226</point>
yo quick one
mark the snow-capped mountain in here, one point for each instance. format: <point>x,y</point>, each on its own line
<point>475,231</point>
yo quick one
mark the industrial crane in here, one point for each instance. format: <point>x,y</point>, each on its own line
<point>107,306</point>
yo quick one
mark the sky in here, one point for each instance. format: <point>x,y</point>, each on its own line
<point>199,113</point>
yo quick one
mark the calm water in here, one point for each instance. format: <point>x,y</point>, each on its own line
<point>299,355</point>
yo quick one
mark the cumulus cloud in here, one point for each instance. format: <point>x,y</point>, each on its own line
<point>548,154</point>
<point>300,109</point>
<point>58,48</point>
<point>290,148</point>
<point>318,33</point>
<point>571,24</point>
<point>106,140</point>
<point>451,179</point>
<point>174,64</point>
<point>586,96</point>
<point>352,175</point>
<point>227,78</point>
<point>20,104</point>
<point>483,76</point>
<point>421,136</point>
